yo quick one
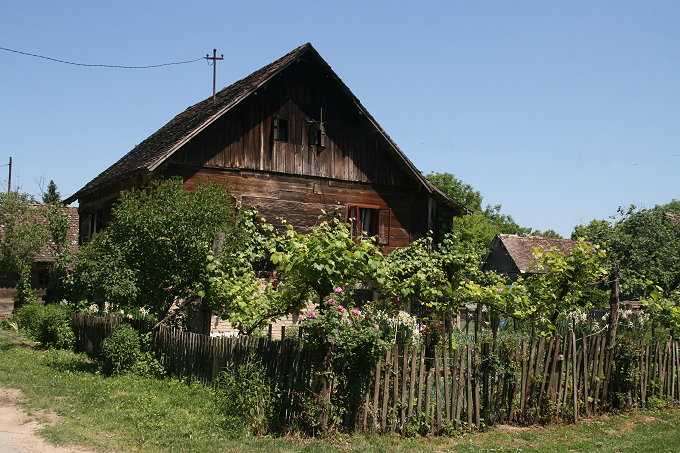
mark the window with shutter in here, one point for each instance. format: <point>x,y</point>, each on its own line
<point>316,133</point>
<point>280,131</point>
<point>369,221</point>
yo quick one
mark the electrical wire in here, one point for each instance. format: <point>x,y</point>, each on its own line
<point>100,65</point>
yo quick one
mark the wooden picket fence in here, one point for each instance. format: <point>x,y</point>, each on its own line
<point>434,388</point>
<point>91,330</point>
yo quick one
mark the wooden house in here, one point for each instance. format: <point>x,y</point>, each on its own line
<point>514,255</point>
<point>292,141</point>
<point>40,273</point>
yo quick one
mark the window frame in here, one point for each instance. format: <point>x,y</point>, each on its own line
<point>382,220</point>
<point>279,125</point>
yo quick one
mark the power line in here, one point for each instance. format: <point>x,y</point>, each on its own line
<point>100,65</point>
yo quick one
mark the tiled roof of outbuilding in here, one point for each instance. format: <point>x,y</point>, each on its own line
<point>521,249</point>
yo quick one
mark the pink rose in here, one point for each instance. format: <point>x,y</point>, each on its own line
<point>341,308</point>
<point>356,312</point>
<point>338,290</point>
<point>312,315</point>
<point>330,301</point>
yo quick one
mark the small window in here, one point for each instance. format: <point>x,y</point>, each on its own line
<point>317,134</point>
<point>280,129</point>
<point>43,279</point>
<point>369,221</point>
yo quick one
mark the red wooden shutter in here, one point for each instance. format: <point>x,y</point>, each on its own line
<point>384,219</point>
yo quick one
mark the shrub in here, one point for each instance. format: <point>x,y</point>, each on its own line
<point>147,365</point>
<point>48,324</point>
<point>120,350</point>
<point>246,399</point>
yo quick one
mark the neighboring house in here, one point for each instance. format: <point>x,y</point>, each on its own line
<point>514,255</point>
<point>292,141</point>
<point>40,274</point>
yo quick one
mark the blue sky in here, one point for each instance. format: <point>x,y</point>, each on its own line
<point>560,111</point>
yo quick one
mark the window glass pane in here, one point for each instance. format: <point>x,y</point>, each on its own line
<point>367,216</point>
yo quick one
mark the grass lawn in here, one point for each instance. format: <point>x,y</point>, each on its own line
<point>145,415</point>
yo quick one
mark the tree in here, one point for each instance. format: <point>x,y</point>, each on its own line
<point>153,252</point>
<point>21,238</point>
<point>646,245</point>
<point>479,228</point>
<point>57,222</point>
<point>457,189</point>
<point>51,196</point>
<point>549,233</point>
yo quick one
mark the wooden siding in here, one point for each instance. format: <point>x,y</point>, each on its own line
<point>499,260</point>
<point>243,138</point>
<point>300,200</point>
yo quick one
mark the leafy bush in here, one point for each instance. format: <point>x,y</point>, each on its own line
<point>246,399</point>
<point>27,318</point>
<point>147,365</point>
<point>120,350</point>
<point>48,324</point>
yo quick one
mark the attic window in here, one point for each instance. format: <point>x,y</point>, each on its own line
<point>317,133</point>
<point>280,129</point>
<point>369,221</point>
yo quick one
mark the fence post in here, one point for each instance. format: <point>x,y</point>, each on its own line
<point>574,375</point>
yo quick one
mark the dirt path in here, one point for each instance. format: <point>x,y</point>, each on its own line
<point>17,430</point>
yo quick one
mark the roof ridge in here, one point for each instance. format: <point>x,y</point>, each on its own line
<point>520,236</point>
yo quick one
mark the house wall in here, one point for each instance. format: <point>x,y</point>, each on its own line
<point>499,260</point>
<point>300,201</point>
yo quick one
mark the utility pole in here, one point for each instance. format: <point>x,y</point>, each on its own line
<point>214,59</point>
<point>9,179</point>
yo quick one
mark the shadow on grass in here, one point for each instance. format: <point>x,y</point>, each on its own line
<point>65,361</point>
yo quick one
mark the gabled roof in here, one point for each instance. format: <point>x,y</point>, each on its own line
<point>521,249</point>
<point>153,151</point>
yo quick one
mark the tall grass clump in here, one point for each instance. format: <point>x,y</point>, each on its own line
<point>246,400</point>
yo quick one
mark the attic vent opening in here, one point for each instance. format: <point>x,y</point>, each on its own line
<point>317,133</point>
<point>280,129</point>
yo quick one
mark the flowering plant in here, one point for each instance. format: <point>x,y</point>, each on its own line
<point>352,341</point>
